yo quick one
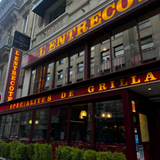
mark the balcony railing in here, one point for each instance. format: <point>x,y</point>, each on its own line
<point>16,3</point>
<point>6,41</point>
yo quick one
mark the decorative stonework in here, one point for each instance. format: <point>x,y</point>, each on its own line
<point>4,56</point>
<point>19,2</point>
<point>68,2</point>
<point>14,15</point>
<point>53,27</point>
<point>26,9</point>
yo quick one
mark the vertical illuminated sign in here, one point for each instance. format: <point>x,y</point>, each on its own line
<point>12,76</point>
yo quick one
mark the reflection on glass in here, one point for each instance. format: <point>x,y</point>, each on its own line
<point>40,125</point>
<point>125,48</point>
<point>7,127</point>
<point>2,121</point>
<point>25,126</point>
<point>150,39</point>
<point>77,65</point>
<point>109,122</point>
<point>81,123</point>
<point>59,119</point>
<point>61,71</point>
<point>41,78</point>
<point>15,125</point>
<point>100,57</point>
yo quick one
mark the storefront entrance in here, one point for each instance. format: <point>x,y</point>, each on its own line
<point>146,118</point>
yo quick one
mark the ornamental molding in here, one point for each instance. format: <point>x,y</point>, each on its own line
<point>26,9</point>
<point>4,56</point>
<point>14,15</point>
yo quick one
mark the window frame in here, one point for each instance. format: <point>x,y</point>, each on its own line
<point>25,23</point>
<point>119,50</point>
<point>78,67</point>
<point>60,74</point>
<point>144,24</point>
<point>146,41</point>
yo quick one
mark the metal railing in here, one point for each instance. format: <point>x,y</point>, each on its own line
<point>16,3</point>
<point>6,41</point>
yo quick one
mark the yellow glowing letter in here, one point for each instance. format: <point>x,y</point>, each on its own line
<point>134,80</point>
<point>105,15</point>
<point>102,87</point>
<point>91,89</point>
<point>95,20</point>
<point>150,76</point>
<point>120,7</point>
<point>122,83</point>
<point>81,27</point>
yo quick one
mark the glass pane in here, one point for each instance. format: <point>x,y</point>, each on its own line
<point>150,39</point>
<point>61,71</point>
<point>7,127</point>
<point>40,125</point>
<point>15,125</point>
<point>2,121</point>
<point>125,48</point>
<point>59,119</point>
<point>81,123</point>
<point>42,78</point>
<point>77,65</point>
<point>109,121</point>
<point>25,126</point>
<point>100,57</point>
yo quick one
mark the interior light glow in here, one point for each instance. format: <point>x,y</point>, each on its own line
<point>30,122</point>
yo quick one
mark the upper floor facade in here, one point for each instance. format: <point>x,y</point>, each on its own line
<point>114,41</point>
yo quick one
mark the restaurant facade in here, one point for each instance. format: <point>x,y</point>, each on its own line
<point>95,84</point>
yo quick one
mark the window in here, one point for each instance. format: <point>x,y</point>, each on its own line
<point>40,125</point>
<point>71,71</point>
<point>92,48</point>
<point>41,77</point>
<point>105,56</point>
<point>60,74</point>
<point>71,58</point>
<point>118,35</point>
<point>48,77</point>
<point>109,121</point>
<point>118,51</point>
<point>57,10</point>
<point>81,123</point>
<point>7,126</point>
<point>25,125</point>
<point>60,61</point>
<point>80,54</point>
<point>106,41</point>
<point>92,62</point>
<point>144,24</point>
<point>2,121</point>
<point>80,67</point>
<point>59,85</point>
<point>15,125</point>
<point>147,43</point>
<point>24,27</point>
<point>49,66</point>
<point>58,125</point>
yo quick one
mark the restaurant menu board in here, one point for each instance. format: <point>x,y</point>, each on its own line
<point>144,128</point>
